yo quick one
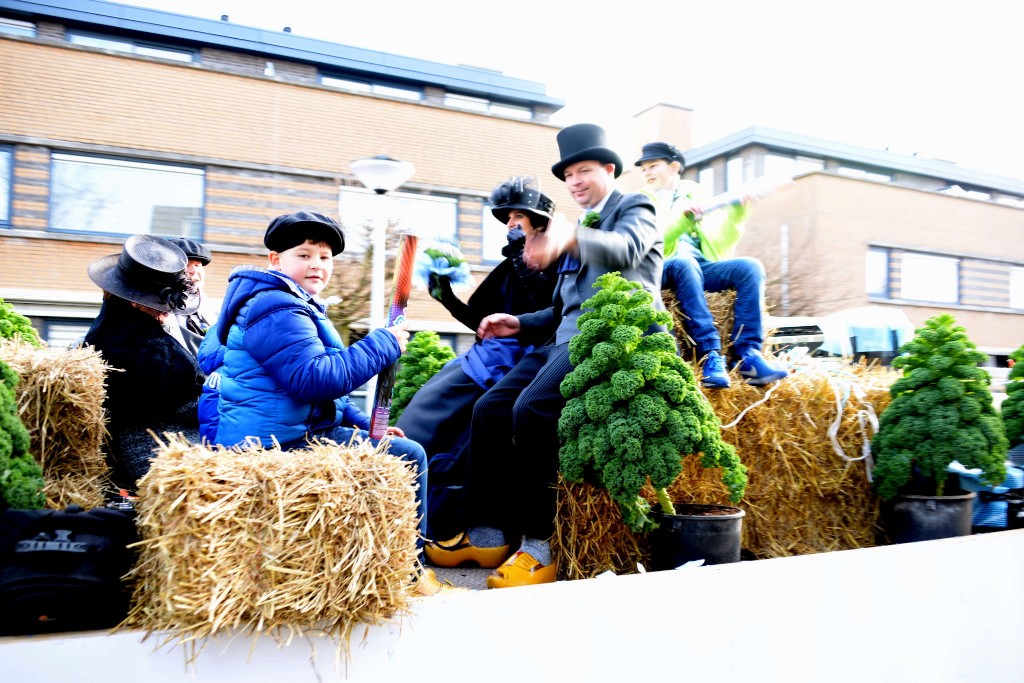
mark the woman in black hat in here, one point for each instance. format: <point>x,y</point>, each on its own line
<point>154,382</point>
<point>438,416</point>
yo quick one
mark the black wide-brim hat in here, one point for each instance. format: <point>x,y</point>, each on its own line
<point>584,142</point>
<point>517,193</point>
<point>293,229</point>
<point>148,271</point>
<point>660,150</point>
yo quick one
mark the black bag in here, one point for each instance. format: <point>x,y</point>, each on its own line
<point>60,570</point>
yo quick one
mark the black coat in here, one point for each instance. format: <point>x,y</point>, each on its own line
<point>158,388</point>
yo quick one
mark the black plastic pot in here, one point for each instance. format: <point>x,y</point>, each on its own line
<point>693,534</point>
<point>925,518</point>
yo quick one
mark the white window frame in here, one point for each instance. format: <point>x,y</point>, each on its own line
<point>358,206</point>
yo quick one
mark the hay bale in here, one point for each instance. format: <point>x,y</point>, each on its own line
<point>721,305</point>
<point>60,400</point>
<point>806,492</point>
<point>273,542</point>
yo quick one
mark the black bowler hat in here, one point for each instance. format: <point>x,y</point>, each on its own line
<point>293,229</point>
<point>660,150</point>
<point>149,271</point>
<point>518,193</point>
<point>584,142</point>
<point>192,249</point>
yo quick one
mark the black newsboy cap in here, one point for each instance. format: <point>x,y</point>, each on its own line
<point>293,229</point>
<point>192,249</point>
<point>660,150</point>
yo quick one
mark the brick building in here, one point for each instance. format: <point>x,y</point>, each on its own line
<point>117,119</point>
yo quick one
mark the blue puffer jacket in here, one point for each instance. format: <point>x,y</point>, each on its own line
<point>284,372</point>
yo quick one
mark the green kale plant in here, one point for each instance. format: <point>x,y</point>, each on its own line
<point>634,410</point>
<point>941,411</point>
<point>21,477</point>
<point>1013,405</point>
<point>14,325</point>
<point>424,355</point>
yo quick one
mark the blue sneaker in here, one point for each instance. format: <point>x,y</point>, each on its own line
<point>713,374</point>
<point>756,370</point>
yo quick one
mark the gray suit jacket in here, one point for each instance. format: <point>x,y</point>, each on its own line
<point>626,239</point>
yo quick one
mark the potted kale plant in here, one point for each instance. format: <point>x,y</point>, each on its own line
<point>941,411</point>
<point>1012,408</point>
<point>634,411</point>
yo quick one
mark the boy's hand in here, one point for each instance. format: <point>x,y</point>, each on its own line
<point>498,325</point>
<point>395,431</point>
<point>401,333</point>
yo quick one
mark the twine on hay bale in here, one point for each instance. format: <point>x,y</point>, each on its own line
<point>60,401</point>
<point>804,449</point>
<point>264,541</point>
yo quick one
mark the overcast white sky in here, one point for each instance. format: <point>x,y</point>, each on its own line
<point>941,79</point>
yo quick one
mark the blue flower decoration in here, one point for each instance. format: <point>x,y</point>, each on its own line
<point>443,258</point>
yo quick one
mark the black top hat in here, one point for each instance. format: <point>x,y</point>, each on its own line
<point>517,193</point>
<point>584,142</point>
<point>149,271</point>
<point>660,150</point>
<point>192,249</point>
<point>293,229</point>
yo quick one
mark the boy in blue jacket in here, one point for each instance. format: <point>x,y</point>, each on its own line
<point>282,371</point>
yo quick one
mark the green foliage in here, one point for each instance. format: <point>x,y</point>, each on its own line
<point>424,355</point>
<point>21,477</point>
<point>1013,405</point>
<point>634,410</point>
<point>941,411</point>
<point>14,325</point>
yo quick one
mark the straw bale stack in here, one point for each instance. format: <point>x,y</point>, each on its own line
<point>60,401</point>
<point>272,542</point>
<point>802,441</point>
<point>721,305</point>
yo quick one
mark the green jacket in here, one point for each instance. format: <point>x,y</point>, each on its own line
<point>715,236</point>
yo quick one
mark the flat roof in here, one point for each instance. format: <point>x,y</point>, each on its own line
<point>171,26</point>
<point>881,159</point>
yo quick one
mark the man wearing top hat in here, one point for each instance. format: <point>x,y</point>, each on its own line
<point>698,258</point>
<point>513,464</point>
<point>194,325</point>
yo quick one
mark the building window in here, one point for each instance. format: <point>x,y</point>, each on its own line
<point>429,216</point>
<point>135,47</point>
<point>371,87</point>
<point>734,174</point>
<point>864,174</point>
<point>62,333</point>
<point>876,272</point>
<point>119,196</point>
<point>706,178</point>
<point>485,106</point>
<point>17,28</point>
<point>779,168</point>
<point>1017,288</point>
<point>6,180</point>
<point>494,236</point>
<point>924,277</point>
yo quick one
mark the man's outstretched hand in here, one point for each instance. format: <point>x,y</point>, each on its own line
<point>543,248</point>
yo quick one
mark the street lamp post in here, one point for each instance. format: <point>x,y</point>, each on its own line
<point>382,174</point>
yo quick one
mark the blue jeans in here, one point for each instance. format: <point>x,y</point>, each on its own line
<point>689,277</point>
<point>406,449</point>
